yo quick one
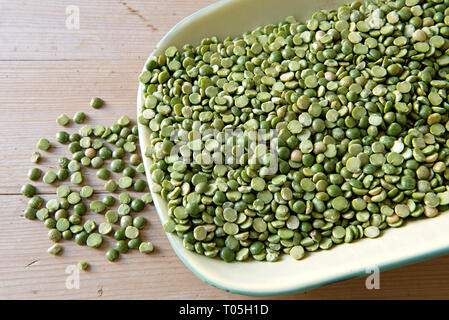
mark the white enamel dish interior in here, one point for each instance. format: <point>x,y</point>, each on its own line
<point>417,240</point>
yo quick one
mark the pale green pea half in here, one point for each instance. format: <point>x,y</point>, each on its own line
<point>86,191</point>
<point>94,240</point>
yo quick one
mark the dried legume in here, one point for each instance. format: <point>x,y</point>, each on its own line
<point>357,100</point>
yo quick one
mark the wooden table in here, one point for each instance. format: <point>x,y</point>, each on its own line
<point>47,69</point>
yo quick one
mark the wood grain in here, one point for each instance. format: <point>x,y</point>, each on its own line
<point>46,70</point>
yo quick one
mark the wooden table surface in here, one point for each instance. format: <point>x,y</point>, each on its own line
<point>47,69</point>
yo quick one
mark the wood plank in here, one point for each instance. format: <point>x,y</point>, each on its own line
<point>54,90</point>
<point>27,271</point>
<point>108,29</point>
